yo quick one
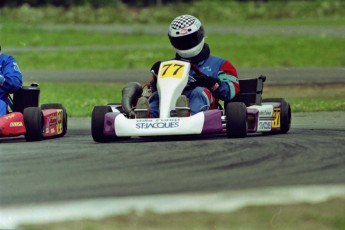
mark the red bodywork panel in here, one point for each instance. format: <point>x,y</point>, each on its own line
<point>53,119</point>
<point>12,124</point>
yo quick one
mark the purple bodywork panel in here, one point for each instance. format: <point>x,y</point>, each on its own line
<point>109,120</point>
<point>255,114</point>
<point>212,122</point>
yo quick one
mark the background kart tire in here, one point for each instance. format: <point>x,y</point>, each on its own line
<point>97,124</point>
<point>64,115</point>
<point>33,120</point>
<point>236,119</point>
<point>285,114</point>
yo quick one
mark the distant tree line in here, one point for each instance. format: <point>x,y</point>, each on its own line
<point>100,3</point>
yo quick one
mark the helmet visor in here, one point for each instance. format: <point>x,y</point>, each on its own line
<point>189,41</point>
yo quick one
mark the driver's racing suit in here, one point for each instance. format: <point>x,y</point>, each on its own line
<point>202,98</point>
<point>10,80</point>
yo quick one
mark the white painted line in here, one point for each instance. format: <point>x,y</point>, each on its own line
<point>11,217</point>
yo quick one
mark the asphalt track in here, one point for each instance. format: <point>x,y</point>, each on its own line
<point>77,168</point>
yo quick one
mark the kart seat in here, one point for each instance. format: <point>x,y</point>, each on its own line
<point>250,91</point>
<point>26,96</point>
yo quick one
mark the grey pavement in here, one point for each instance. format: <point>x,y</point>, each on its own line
<point>288,75</point>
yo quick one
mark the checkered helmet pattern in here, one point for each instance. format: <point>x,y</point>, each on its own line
<point>182,22</point>
<point>184,25</point>
<point>186,34</point>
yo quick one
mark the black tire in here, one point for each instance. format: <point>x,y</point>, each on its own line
<point>97,124</point>
<point>64,115</point>
<point>236,119</point>
<point>285,114</point>
<point>33,120</point>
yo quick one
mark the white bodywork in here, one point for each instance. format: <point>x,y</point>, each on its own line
<point>172,79</point>
<point>265,114</point>
<point>159,126</point>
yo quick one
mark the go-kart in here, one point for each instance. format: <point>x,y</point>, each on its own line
<point>27,118</point>
<point>244,114</point>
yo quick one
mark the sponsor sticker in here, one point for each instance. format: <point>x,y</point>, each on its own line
<point>55,121</point>
<point>157,124</point>
<point>276,118</point>
<point>264,125</point>
<point>266,112</point>
<point>52,119</point>
<point>59,121</point>
<point>16,124</point>
<point>184,31</point>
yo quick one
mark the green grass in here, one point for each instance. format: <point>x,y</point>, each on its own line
<point>322,216</point>
<point>81,50</point>
<point>69,49</point>
<point>80,98</point>
<point>22,28</point>
<point>222,11</point>
<point>310,98</point>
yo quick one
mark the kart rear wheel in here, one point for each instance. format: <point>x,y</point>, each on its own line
<point>33,120</point>
<point>236,119</point>
<point>97,124</point>
<point>64,115</point>
<point>285,114</point>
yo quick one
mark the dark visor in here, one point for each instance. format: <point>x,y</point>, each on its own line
<point>189,41</point>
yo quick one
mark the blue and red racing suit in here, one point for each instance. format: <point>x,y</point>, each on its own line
<point>10,80</point>
<point>201,98</point>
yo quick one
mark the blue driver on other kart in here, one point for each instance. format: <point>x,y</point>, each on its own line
<point>10,80</point>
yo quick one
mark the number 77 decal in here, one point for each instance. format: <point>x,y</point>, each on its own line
<point>172,70</point>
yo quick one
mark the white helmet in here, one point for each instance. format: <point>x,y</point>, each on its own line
<point>186,35</point>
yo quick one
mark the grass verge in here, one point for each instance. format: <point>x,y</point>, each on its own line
<point>327,215</point>
<point>222,11</point>
<point>65,50</point>
<point>80,98</point>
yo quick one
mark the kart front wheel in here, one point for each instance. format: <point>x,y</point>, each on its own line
<point>64,115</point>
<point>97,124</point>
<point>33,120</point>
<point>236,119</point>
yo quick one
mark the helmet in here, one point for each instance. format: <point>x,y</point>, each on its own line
<point>186,35</point>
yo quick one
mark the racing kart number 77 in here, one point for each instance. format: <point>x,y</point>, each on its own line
<point>244,114</point>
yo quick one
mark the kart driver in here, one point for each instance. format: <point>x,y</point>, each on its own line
<point>10,80</point>
<point>217,78</point>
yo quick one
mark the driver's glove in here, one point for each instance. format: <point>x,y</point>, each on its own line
<point>155,68</point>
<point>154,71</point>
<point>203,80</point>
